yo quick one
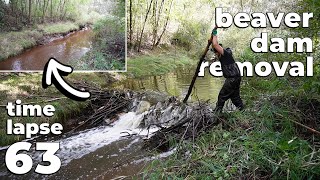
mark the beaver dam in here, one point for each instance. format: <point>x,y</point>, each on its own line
<point>169,117</point>
<point>116,133</point>
<point>119,132</point>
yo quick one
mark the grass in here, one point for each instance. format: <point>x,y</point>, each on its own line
<point>14,43</point>
<point>57,28</point>
<point>263,144</point>
<point>157,63</point>
<point>27,87</point>
<point>108,50</point>
<point>260,143</point>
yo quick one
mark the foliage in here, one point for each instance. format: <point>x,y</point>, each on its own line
<point>312,84</point>
<point>183,37</point>
<point>58,28</point>
<point>16,14</point>
<point>153,22</point>
<point>110,44</point>
<point>120,11</point>
<point>108,52</point>
<point>157,63</point>
<point>263,142</point>
<point>14,43</point>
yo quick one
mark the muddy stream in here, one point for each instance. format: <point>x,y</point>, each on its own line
<point>103,152</point>
<point>70,47</point>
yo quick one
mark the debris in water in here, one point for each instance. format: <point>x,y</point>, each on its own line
<point>180,122</point>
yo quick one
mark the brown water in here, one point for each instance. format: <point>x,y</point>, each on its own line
<point>70,47</point>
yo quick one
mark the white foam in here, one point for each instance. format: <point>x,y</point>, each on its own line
<point>159,156</point>
<point>88,141</point>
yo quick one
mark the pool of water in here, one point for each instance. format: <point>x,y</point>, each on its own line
<point>177,84</point>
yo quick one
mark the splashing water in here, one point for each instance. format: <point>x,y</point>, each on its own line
<point>88,141</point>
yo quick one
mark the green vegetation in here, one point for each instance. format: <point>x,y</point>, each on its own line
<point>108,51</point>
<point>158,63</point>
<point>13,43</point>
<point>35,22</point>
<point>16,14</point>
<point>58,28</point>
<point>269,140</point>
<point>27,87</point>
<point>262,142</point>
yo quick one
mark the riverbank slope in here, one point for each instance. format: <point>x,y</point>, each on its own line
<point>16,42</point>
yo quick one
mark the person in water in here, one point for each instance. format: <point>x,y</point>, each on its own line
<point>230,70</point>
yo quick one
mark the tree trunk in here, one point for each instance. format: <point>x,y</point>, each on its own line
<point>157,19</point>
<point>30,10</point>
<point>144,25</point>
<point>44,10</point>
<point>130,23</point>
<point>51,10</point>
<point>165,26</point>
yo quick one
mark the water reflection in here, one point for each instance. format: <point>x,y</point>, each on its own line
<point>17,65</point>
<point>71,47</point>
<point>177,84</point>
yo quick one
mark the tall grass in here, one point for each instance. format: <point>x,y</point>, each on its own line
<point>13,43</point>
<point>262,142</point>
<point>158,63</point>
<point>62,27</point>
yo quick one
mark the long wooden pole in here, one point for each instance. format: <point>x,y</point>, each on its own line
<point>197,72</point>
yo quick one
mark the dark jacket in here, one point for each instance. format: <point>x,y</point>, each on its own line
<point>229,68</point>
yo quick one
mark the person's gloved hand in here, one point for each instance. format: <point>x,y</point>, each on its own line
<point>214,32</point>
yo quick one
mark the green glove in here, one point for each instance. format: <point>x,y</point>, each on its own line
<point>214,32</point>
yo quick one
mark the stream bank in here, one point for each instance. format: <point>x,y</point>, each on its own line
<point>268,140</point>
<point>27,88</point>
<point>73,45</point>
<point>17,42</point>
<point>112,146</point>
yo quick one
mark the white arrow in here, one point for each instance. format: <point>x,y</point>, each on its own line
<point>51,75</point>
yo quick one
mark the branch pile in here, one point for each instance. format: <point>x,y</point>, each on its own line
<point>192,121</point>
<point>104,104</point>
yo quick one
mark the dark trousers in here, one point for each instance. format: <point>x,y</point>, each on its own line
<point>230,90</point>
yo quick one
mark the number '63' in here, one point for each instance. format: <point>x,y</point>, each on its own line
<point>12,158</point>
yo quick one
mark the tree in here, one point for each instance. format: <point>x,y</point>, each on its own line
<point>144,24</point>
<point>30,10</point>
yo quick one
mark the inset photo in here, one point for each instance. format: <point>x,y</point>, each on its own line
<point>88,35</point>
